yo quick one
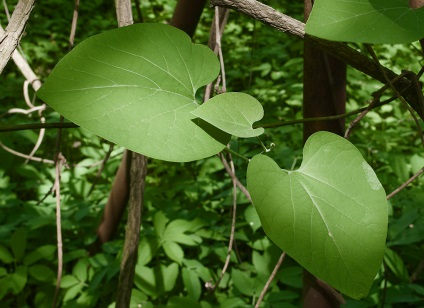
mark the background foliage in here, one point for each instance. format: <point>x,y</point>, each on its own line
<point>186,220</point>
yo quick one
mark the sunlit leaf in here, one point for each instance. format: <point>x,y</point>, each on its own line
<point>366,21</point>
<point>330,215</point>
<point>135,86</point>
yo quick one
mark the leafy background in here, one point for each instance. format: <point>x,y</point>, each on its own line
<point>191,200</point>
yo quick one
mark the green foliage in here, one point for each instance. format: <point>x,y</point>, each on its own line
<point>185,228</point>
<point>330,215</point>
<point>366,21</point>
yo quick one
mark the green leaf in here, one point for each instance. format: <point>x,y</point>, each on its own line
<point>192,284</point>
<point>68,281</point>
<point>159,223</point>
<point>173,251</point>
<point>72,292</point>
<point>18,279</point>
<point>396,265</point>
<point>170,274</point>
<point>252,218</point>
<point>366,21</point>
<point>41,272</point>
<point>136,86</point>
<point>5,255</point>
<point>18,242</point>
<point>80,270</point>
<point>234,113</point>
<point>330,215</point>
<point>45,252</point>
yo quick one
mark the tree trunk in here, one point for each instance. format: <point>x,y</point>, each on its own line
<point>324,94</point>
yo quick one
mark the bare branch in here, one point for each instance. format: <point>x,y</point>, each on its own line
<point>270,279</point>
<point>11,37</point>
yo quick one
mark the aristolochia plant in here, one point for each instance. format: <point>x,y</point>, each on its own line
<point>136,86</point>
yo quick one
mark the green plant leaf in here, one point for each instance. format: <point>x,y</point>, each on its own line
<point>330,215</point>
<point>18,279</point>
<point>41,272</point>
<point>366,21</point>
<point>192,283</point>
<point>173,251</point>
<point>18,242</point>
<point>234,113</point>
<point>135,86</point>
<point>5,255</point>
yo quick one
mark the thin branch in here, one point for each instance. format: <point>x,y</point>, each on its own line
<point>37,159</point>
<point>228,150</point>
<point>209,286</point>
<point>102,167</point>
<point>14,30</point>
<point>234,177</point>
<point>12,128</point>
<point>74,25</point>
<point>395,91</point>
<point>60,162</point>
<point>270,279</point>
<point>409,181</point>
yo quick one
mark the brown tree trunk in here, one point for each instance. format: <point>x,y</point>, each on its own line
<point>324,94</point>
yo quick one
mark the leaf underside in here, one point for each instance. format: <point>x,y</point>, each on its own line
<point>366,21</point>
<point>135,86</point>
<point>330,215</point>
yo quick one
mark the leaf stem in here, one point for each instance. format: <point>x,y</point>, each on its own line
<point>227,149</point>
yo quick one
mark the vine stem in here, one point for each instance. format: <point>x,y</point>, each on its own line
<point>270,279</point>
<point>228,150</point>
<point>209,286</point>
<point>409,181</point>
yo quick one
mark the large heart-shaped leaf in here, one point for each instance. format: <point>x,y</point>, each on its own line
<point>330,215</point>
<point>233,113</point>
<point>136,86</point>
<point>366,21</point>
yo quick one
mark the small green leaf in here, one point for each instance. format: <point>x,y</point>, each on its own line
<point>18,279</point>
<point>18,242</point>
<point>68,281</point>
<point>396,265</point>
<point>192,284</point>
<point>72,292</point>
<point>41,272</point>
<point>330,215</point>
<point>233,113</point>
<point>170,274</point>
<point>252,218</point>
<point>5,255</point>
<point>136,87</point>
<point>80,270</point>
<point>173,251</point>
<point>41,253</point>
<point>366,21</point>
<point>159,222</point>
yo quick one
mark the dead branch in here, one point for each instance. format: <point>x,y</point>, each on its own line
<point>14,30</point>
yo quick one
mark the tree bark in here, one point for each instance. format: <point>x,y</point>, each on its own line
<point>324,94</point>
<point>187,15</point>
<point>13,33</point>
